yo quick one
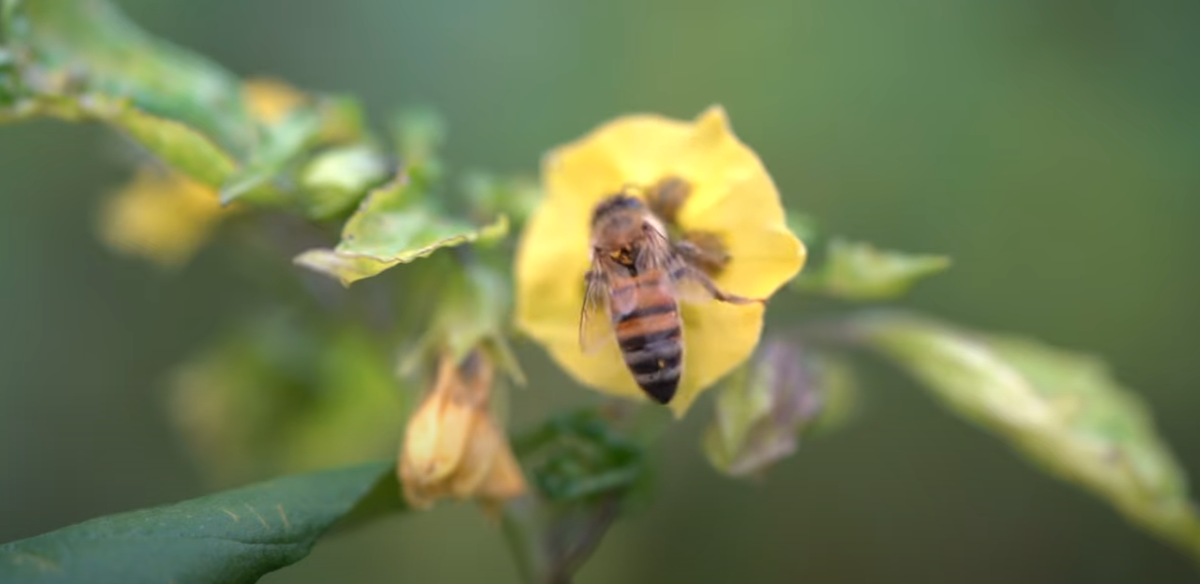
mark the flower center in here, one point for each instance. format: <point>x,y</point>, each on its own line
<point>702,249</point>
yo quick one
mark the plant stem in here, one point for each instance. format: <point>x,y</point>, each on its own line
<point>522,531</point>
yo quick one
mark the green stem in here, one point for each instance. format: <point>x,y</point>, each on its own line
<point>523,531</point>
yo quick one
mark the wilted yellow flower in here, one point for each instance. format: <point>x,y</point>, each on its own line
<point>453,446</point>
<point>726,202</point>
<point>160,215</point>
<point>270,100</point>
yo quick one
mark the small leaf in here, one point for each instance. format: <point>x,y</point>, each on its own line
<point>1061,409</point>
<point>419,133</point>
<point>393,227</point>
<point>859,271</point>
<point>228,537</point>
<point>338,178</point>
<point>578,456</point>
<point>513,196</point>
<point>284,143</point>
<point>472,311</point>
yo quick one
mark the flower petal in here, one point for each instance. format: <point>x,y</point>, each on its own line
<point>750,220</point>
<point>717,337</point>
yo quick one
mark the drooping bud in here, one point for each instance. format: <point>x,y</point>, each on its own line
<point>762,410</point>
<point>453,446</point>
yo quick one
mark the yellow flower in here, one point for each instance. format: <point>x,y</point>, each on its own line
<point>160,215</point>
<point>270,100</point>
<point>453,447</point>
<point>730,203</point>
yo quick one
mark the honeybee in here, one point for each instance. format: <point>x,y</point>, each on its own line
<point>633,290</point>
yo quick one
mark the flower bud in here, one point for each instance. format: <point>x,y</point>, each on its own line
<point>764,408</point>
<point>453,446</point>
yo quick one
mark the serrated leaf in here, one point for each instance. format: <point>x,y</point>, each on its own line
<point>859,271</point>
<point>1061,409</point>
<point>226,538</point>
<point>393,227</point>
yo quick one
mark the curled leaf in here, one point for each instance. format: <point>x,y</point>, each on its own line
<point>1061,409</point>
<point>859,271</point>
<point>393,226</point>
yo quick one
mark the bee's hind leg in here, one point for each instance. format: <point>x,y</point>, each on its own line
<point>696,277</point>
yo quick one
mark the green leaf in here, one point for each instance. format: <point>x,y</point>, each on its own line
<point>1061,409</point>
<point>490,196</point>
<point>283,145</point>
<point>86,49</point>
<point>183,148</point>
<point>859,271</point>
<point>228,537</point>
<point>338,178</point>
<point>418,132</point>
<point>393,226</point>
<point>472,311</point>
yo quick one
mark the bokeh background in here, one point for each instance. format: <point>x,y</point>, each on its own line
<point>1051,147</point>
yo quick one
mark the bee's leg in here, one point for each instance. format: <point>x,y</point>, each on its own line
<point>704,251</point>
<point>695,275</point>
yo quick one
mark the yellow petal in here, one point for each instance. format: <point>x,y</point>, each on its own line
<point>713,161</point>
<point>751,222</point>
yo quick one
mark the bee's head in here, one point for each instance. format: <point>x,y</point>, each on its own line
<point>615,204</point>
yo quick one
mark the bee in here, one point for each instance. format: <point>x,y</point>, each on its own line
<point>633,292</point>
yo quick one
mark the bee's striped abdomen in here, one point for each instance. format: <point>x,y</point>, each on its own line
<point>650,335</point>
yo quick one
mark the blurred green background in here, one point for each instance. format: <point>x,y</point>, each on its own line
<point>1051,147</point>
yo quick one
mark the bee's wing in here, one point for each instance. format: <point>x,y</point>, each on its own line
<point>690,285</point>
<point>595,322</point>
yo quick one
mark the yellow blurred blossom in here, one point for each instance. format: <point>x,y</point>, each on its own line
<point>270,100</point>
<point>713,191</point>
<point>453,447</point>
<point>160,215</point>
<point>163,215</point>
